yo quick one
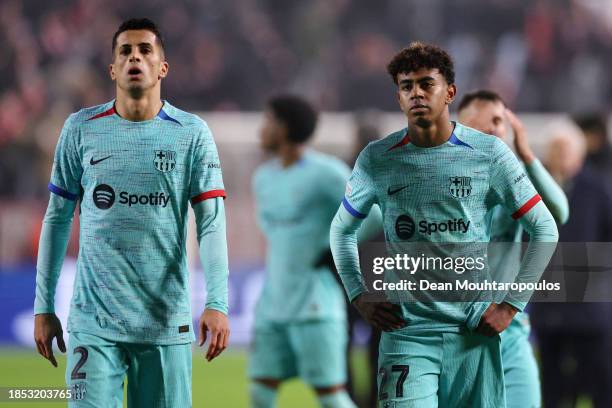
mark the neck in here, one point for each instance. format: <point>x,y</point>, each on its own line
<point>290,153</point>
<point>145,107</point>
<point>434,135</point>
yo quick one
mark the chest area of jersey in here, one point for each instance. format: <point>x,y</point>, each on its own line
<point>411,184</point>
<point>136,168</point>
<point>433,201</point>
<point>135,152</point>
<point>290,199</point>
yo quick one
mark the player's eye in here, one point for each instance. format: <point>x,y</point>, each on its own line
<point>145,50</point>
<point>125,51</point>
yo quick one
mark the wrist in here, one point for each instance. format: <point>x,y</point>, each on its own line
<point>511,309</point>
<point>526,155</point>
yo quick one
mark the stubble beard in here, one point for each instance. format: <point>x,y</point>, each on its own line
<point>136,91</point>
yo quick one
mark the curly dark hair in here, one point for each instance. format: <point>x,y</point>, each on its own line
<point>139,24</point>
<point>418,55</point>
<point>297,114</point>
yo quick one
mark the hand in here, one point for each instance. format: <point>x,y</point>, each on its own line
<point>382,315</point>
<point>218,325</point>
<point>496,319</point>
<point>521,144</point>
<point>46,327</point>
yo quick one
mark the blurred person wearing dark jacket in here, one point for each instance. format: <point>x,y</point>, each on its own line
<point>574,336</point>
<point>599,149</point>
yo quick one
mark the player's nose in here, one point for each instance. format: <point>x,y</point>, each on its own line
<point>416,92</point>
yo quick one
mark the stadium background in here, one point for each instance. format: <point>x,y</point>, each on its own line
<point>546,58</point>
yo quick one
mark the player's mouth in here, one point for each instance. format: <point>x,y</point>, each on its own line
<point>419,107</point>
<point>134,73</point>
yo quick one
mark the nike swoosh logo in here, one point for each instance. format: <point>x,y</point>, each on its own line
<point>397,190</point>
<point>94,162</point>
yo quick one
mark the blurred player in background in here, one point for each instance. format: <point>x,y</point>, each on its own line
<point>133,165</point>
<point>300,320</point>
<point>486,112</point>
<point>575,337</point>
<point>437,353</point>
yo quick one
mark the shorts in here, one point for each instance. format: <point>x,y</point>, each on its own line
<point>314,351</point>
<point>521,374</point>
<point>158,376</point>
<point>440,370</point>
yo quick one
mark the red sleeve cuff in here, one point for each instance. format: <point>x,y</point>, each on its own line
<point>526,207</point>
<point>206,195</point>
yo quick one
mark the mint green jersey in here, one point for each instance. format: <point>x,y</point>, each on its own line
<point>440,194</point>
<point>134,181</point>
<point>295,207</point>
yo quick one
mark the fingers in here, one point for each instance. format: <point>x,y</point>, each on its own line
<point>60,342</point>
<point>48,351</point>
<point>222,343</point>
<point>485,329</point>
<point>40,350</point>
<point>202,334</point>
<point>46,327</point>
<point>214,345</point>
<point>386,316</point>
<point>218,342</point>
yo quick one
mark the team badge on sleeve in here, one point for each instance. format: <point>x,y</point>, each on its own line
<point>460,187</point>
<point>165,160</point>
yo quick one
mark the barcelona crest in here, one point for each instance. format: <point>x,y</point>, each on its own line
<point>165,160</point>
<point>460,187</point>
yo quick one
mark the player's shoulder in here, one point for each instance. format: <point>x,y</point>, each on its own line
<point>324,163</point>
<point>187,120</point>
<point>479,141</point>
<point>265,169</point>
<point>86,115</point>
<point>376,149</point>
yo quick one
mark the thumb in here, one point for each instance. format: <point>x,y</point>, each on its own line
<point>60,342</point>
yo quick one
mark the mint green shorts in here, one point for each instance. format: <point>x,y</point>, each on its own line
<point>313,351</point>
<point>158,376</point>
<point>521,373</point>
<point>440,370</point>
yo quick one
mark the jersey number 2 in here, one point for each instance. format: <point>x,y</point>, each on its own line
<point>76,375</point>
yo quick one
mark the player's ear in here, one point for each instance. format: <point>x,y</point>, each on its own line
<point>451,92</point>
<point>163,69</point>
<point>111,71</point>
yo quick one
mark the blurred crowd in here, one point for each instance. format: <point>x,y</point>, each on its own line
<point>540,55</point>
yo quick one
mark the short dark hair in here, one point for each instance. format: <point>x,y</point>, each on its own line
<point>479,95</point>
<point>297,114</point>
<point>592,123</point>
<point>418,55</point>
<point>138,24</point>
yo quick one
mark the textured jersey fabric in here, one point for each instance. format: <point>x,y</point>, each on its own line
<point>440,194</point>
<point>295,207</point>
<point>133,182</point>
